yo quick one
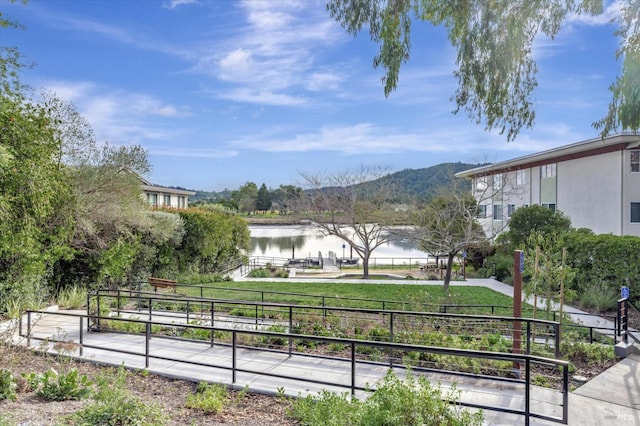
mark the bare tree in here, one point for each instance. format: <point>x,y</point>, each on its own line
<point>446,226</point>
<point>355,207</point>
<point>450,223</point>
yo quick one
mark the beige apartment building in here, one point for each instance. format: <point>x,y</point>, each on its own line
<point>162,196</point>
<point>594,182</point>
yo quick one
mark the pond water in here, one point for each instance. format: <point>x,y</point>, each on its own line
<point>295,241</point>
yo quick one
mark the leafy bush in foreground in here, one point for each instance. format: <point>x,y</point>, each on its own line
<point>395,402</point>
<point>114,405</point>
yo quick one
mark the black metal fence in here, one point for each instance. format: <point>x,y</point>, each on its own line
<point>602,334</point>
<point>352,363</point>
<point>386,325</point>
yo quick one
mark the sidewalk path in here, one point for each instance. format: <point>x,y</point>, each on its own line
<point>611,398</point>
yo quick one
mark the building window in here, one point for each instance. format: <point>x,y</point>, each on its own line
<point>497,182</point>
<point>635,212</point>
<point>510,209</point>
<point>497,212</point>
<point>548,170</point>
<point>153,199</point>
<point>482,211</point>
<point>181,202</point>
<point>481,184</point>
<point>635,161</point>
<point>521,177</point>
<point>551,206</point>
<point>167,200</point>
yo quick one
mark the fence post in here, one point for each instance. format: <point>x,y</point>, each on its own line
<point>290,329</point>
<point>557,332</point>
<point>233,356</point>
<point>527,390</point>
<point>565,394</point>
<point>80,338</point>
<point>212,330</point>
<point>147,337</point>
<point>28,329</point>
<point>353,368</point>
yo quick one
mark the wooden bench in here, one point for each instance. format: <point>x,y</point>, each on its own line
<point>161,283</point>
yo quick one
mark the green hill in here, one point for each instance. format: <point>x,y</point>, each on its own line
<point>422,184</point>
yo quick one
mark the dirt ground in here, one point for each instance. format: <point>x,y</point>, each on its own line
<point>28,409</point>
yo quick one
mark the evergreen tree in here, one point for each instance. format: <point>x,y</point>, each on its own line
<point>263,202</point>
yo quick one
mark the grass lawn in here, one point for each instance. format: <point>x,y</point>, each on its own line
<point>400,293</point>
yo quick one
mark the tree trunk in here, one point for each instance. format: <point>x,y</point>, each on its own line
<point>365,265</point>
<point>447,275</point>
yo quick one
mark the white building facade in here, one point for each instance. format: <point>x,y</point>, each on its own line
<point>595,182</point>
<point>161,196</point>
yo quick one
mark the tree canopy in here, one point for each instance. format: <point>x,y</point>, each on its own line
<point>496,71</point>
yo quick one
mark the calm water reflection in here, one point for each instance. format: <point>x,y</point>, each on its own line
<point>306,241</point>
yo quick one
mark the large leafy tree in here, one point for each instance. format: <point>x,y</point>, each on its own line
<point>496,71</point>
<point>355,207</point>
<point>245,197</point>
<point>536,219</point>
<point>35,192</point>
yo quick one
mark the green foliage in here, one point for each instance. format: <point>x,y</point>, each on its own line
<point>8,385</point>
<point>536,219</point>
<point>600,298</point>
<point>35,192</point>
<point>592,353</point>
<point>395,402</point>
<point>114,405</point>
<point>54,386</point>
<point>211,240</point>
<point>496,70</point>
<point>209,397</point>
<point>263,200</point>
<point>245,197</point>
<point>605,261</point>
<point>73,297</point>
<point>260,273</point>
<point>500,266</point>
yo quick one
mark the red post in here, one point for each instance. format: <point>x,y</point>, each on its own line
<point>518,266</point>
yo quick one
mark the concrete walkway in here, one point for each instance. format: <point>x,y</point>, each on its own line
<point>613,397</point>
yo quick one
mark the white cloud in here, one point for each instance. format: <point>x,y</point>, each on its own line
<point>118,116</point>
<point>186,151</point>
<point>611,13</point>
<point>273,57</point>
<point>172,4</point>
<point>262,97</point>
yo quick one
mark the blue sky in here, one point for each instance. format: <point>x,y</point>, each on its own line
<point>223,92</point>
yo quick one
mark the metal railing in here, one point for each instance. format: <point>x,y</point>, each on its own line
<point>392,322</point>
<point>352,364</point>
<point>595,334</point>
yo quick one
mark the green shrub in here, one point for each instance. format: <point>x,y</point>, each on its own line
<point>600,298</point>
<point>209,397</point>
<point>260,273</point>
<point>395,402</point>
<point>7,385</point>
<point>73,297</point>
<point>54,386</point>
<point>592,353</point>
<point>114,405</point>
